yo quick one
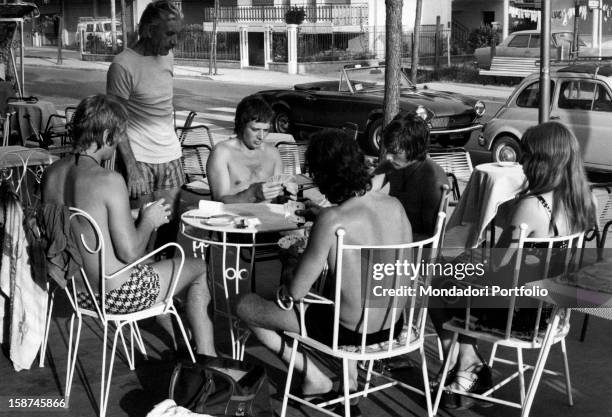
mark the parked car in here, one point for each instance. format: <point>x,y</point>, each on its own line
<point>526,44</point>
<point>580,97</point>
<point>357,98</point>
<point>90,28</point>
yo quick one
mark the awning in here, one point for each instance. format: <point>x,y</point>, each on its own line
<point>18,10</point>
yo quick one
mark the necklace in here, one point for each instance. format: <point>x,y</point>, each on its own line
<point>78,155</point>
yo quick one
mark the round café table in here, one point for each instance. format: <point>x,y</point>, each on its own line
<point>489,187</point>
<point>216,229</point>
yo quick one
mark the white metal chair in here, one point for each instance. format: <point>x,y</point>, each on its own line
<point>194,160</point>
<point>457,164</point>
<point>602,193</point>
<point>293,156</point>
<point>91,239</point>
<point>410,339</point>
<point>558,324</point>
<point>195,135</point>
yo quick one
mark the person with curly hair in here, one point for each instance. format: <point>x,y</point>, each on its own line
<point>369,217</point>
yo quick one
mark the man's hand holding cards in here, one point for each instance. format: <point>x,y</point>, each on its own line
<point>288,182</point>
<point>291,207</point>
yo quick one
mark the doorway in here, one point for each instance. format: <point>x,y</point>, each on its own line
<point>256,49</point>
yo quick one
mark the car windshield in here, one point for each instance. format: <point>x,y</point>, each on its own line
<point>367,79</point>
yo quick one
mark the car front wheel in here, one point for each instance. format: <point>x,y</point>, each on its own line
<point>506,149</point>
<point>282,121</point>
<point>375,136</point>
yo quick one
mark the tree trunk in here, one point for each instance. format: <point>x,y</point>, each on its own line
<point>212,58</point>
<point>414,66</point>
<point>113,26</point>
<point>60,32</point>
<point>124,24</point>
<point>393,62</point>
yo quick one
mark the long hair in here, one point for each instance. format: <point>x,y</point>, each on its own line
<point>552,162</point>
<point>337,165</point>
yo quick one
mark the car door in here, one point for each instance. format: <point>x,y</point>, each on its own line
<point>329,108</point>
<point>522,112</point>
<point>516,47</point>
<point>585,106</point>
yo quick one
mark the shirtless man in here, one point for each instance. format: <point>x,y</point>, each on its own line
<point>80,181</point>
<point>239,169</point>
<point>369,217</point>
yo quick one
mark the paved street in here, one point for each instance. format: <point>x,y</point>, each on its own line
<point>214,101</point>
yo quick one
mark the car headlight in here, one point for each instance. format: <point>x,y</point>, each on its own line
<point>423,113</point>
<point>480,108</point>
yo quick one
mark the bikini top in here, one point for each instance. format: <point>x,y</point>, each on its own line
<point>546,206</point>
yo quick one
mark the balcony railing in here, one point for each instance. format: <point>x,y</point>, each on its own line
<point>337,14</point>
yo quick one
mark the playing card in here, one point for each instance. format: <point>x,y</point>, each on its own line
<point>290,209</point>
<point>282,178</point>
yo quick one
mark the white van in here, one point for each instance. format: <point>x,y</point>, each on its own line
<point>89,27</point>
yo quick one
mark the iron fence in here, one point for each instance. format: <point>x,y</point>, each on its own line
<point>338,14</point>
<point>343,46</point>
<point>194,43</point>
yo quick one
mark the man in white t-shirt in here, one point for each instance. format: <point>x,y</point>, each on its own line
<point>142,77</point>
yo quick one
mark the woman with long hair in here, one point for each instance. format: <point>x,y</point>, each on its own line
<point>555,202</point>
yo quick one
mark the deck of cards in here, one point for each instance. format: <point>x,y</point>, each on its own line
<point>282,178</point>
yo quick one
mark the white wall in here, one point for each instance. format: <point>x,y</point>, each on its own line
<point>431,9</point>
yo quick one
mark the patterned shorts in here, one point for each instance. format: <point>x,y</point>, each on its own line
<point>164,176</point>
<point>139,292</point>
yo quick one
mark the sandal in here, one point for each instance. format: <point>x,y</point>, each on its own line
<point>476,379</point>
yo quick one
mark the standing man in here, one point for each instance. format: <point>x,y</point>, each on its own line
<point>142,77</point>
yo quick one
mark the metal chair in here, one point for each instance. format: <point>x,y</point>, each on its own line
<point>457,164</point>
<point>410,339</point>
<point>602,193</point>
<point>293,156</point>
<point>187,123</point>
<point>91,240</point>
<point>194,161</point>
<point>557,329</point>
<point>195,135</point>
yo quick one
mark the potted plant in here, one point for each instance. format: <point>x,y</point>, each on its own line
<point>295,15</point>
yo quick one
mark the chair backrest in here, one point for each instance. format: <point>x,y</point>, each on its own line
<point>293,158</point>
<point>89,238</point>
<point>69,113</point>
<point>196,135</point>
<point>186,124</point>
<point>557,256</point>
<point>602,194</point>
<point>275,137</point>
<point>415,306</point>
<point>194,161</point>
<point>454,161</point>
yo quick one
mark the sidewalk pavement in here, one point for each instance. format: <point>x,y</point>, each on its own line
<point>268,79</point>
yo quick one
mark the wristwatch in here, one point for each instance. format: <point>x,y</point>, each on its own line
<point>283,299</point>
